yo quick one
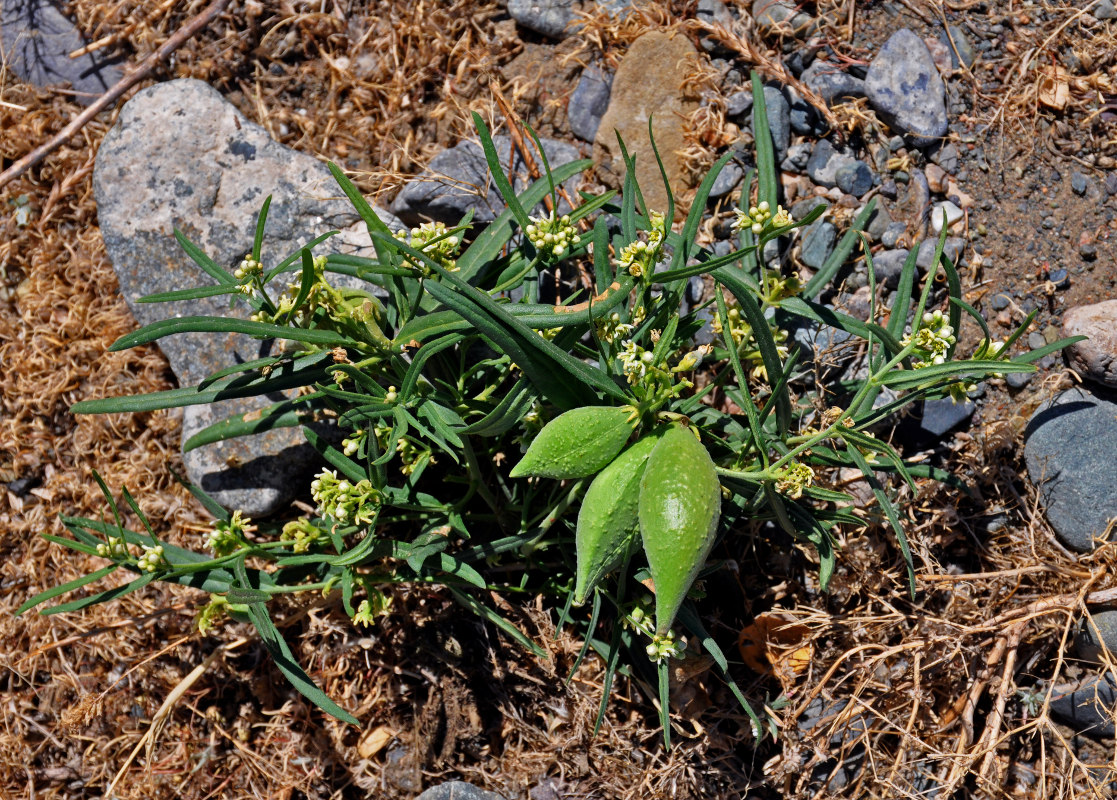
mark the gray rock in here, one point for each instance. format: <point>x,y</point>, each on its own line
<point>1036,340</point>
<point>904,87</point>
<point>714,12</point>
<point>893,233</point>
<point>848,731</point>
<point>36,39</point>
<point>1096,357</point>
<point>738,103</point>
<point>1097,636</point>
<point>458,790</point>
<point>831,83</point>
<point>779,120</point>
<point>1105,10</point>
<point>458,181</point>
<point>1000,301</point>
<point>727,179</point>
<point>589,102</point>
<point>180,155</point>
<point>1087,707</point>
<point>1079,184</point>
<point>548,17</point>
<point>1069,446</point>
<point>805,120</point>
<point>780,16</point>
<point>804,207</point>
<point>962,53</point>
<point>888,265</point>
<point>825,161</point>
<point>797,157</point>
<point>854,178</point>
<point>1018,380</point>
<point>947,157</point>
<point>818,243</point>
<point>952,249</point>
<point>943,415</point>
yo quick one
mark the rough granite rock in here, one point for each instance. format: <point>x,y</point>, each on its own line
<point>649,84</point>
<point>1096,357</point>
<point>36,40</point>
<point>1069,446</point>
<point>181,156</point>
<point>904,87</point>
<point>458,181</point>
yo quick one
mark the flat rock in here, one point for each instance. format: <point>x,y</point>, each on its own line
<point>824,163</point>
<point>36,40</point>
<point>888,265</point>
<point>180,155</point>
<point>457,181</point>
<point>458,790</point>
<point>649,85</point>
<point>818,243</point>
<point>1069,446</point>
<point>779,120</point>
<point>943,415</point>
<point>854,178</point>
<point>904,87</point>
<point>589,102</point>
<point>952,249</point>
<point>1096,357</point>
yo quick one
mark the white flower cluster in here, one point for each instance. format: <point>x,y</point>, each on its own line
<point>553,238</point>
<point>635,361</point>
<point>152,559</point>
<point>114,548</point>
<point>612,329</point>
<point>795,478</point>
<point>431,240</point>
<point>344,501</point>
<point>933,339</point>
<point>760,217</point>
<point>639,258</point>
<point>247,272</point>
<point>352,444</point>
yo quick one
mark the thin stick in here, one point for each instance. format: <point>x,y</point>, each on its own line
<point>112,95</point>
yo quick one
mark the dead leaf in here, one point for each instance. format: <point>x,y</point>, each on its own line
<point>776,643</point>
<point>373,741</point>
<point>1054,87</point>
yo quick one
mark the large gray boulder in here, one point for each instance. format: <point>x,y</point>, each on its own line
<point>181,156</point>
<point>1069,447</point>
<point>903,86</point>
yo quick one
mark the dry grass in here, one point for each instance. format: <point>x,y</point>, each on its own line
<point>935,681</point>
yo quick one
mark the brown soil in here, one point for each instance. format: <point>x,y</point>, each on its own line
<point>441,696</point>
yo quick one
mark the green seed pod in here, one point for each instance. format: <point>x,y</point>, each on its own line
<point>679,508</point>
<point>607,521</point>
<point>578,443</point>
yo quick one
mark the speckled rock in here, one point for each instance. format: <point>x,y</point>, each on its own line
<point>1096,357</point>
<point>649,84</point>
<point>1069,447</point>
<point>181,156</point>
<point>904,87</point>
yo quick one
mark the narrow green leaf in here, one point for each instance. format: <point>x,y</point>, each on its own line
<point>188,294</point>
<point>821,279</point>
<point>765,151</point>
<point>697,209</point>
<point>496,169</point>
<point>911,378</point>
<point>260,330</point>
<point>471,604</point>
<point>1040,352</point>
<point>507,413</point>
<point>261,221</point>
<point>287,414</point>
<point>102,597</point>
<point>364,210</point>
<point>889,510</point>
<point>77,583</point>
<point>208,265</point>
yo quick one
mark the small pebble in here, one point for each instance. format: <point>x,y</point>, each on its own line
<point>900,176</point>
<point>1060,278</point>
<point>1088,251</point>
<point>1079,184</point>
<point>1036,340</point>
<point>953,214</point>
<point>1018,380</point>
<point>1000,302</point>
<point>1111,183</point>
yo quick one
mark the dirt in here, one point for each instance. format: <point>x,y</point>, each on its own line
<point>440,695</point>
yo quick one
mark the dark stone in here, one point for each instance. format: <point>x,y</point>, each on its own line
<point>943,415</point>
<point>1088,251</point>
<point>738,103</point>
<point>952,249</point>
<point>1111,182</point>
<point>832,83</point>
<point>1087,707</point>
<point>850,731</point>
<point>805,120</point>
<point>1079,184</point>
<point>714,12</point>
<point>727,179</point>
<point>458,181</point>
<point>797,157</point>
<point>1018,380</point>
<point>458,790</point>
<point>1069,446</point>
<point>890,190</point>
<point>893,233</point>
<point>1060,278</point>
<point>888,265</point>
<point>854,178</point>
<point>36,39</point>
<point>825,162</point>
<point>818,243</point>
<point>588,102</point>
<point>904,87</point>
<point>965,50</point>
<point>1000,301</point>
<point>779,120</point>
<point>947,157</point>
<point>879,223</point>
